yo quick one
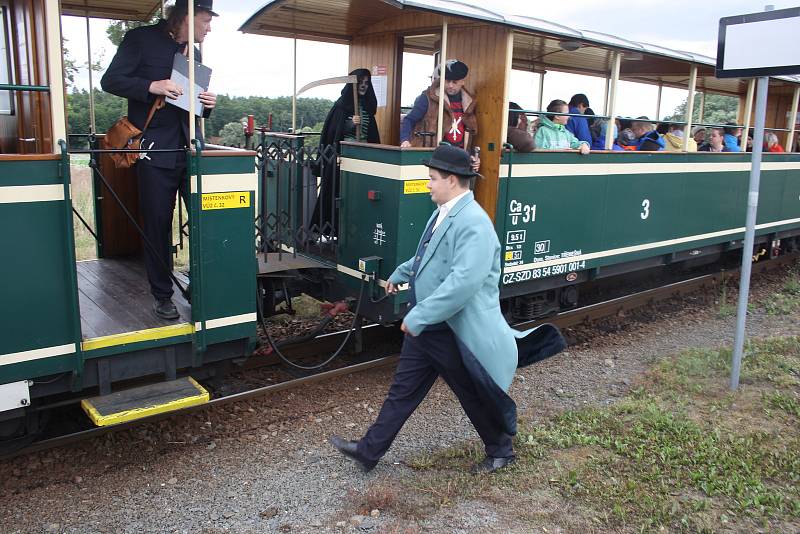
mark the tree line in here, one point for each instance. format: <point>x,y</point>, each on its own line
<point>108,108</point>
<point>717,109</point>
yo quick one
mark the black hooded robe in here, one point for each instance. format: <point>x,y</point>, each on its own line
<point>337,126</point>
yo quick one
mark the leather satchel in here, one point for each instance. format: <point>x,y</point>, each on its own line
<point>124,135</point>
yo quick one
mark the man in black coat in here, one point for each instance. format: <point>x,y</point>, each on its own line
<point>140,72</point>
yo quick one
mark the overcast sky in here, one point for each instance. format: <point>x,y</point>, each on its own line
<point>262,66</point>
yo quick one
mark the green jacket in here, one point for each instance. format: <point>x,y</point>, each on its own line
<point>552,136</point>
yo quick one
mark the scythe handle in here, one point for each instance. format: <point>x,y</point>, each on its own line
<point>356,111</point>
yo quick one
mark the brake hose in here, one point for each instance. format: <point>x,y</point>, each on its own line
<point>280,355</point>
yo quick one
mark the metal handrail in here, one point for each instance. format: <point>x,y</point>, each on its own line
<point>18,87</point>
<point>634,119</point>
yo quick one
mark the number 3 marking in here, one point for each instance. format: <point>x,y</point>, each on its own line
<point>645,209</point>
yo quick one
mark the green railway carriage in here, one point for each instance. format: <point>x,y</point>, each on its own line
<point>83,330</point>
<point>562,219</point>
<point>78,329</point>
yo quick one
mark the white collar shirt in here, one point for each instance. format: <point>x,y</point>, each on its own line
<point>445,208</point>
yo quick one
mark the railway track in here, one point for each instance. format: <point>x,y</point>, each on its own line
<point>376,333</point>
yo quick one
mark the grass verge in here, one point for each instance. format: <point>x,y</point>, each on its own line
<point>680,452</point>
<point>83,202</point>
<point>787,300</point>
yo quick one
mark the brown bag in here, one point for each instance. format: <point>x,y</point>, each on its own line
<point>124,135</point>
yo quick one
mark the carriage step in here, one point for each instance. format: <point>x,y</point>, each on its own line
<point>144,401</point>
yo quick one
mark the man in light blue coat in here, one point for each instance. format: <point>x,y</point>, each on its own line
<point>454,327</point>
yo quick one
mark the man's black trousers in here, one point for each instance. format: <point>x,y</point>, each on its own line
<point>157,189</point>
<point>422,360</point>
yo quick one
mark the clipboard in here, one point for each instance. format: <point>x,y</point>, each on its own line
<point>180,76</point>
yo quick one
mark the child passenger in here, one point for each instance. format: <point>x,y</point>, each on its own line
<point>552,133</point>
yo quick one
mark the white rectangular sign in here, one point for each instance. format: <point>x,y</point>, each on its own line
<point>759,44</point>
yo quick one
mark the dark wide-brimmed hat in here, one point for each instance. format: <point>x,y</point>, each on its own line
<point>452,160</point>
<point>453,70</point>
<point>205,5</point>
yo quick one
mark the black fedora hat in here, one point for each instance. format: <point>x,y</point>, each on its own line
<point>205,5</point>
<point>451,159</point>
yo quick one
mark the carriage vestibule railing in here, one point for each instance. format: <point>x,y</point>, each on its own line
<point>298,197</point>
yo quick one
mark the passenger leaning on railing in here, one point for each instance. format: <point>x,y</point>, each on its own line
<point>771,143</point>
<point>598,129</point>
<point>646,136</point>
<point>715,142</point>
<point>731,135</point>
<point>552,134</point>
<point>579,126</point>
<point>673,140</point>
<point>518,135</point>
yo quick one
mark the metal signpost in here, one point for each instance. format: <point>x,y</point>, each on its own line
<point>739,57</point>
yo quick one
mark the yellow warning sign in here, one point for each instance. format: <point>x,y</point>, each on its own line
<point>509,255</point>
<point>224,201</point>
<point>412,187</point>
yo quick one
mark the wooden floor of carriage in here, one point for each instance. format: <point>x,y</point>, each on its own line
<point>115,298</point>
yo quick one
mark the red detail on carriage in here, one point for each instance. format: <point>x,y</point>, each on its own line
<point>334,309</point>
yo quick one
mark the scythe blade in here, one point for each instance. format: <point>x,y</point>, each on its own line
<point>328,81</point>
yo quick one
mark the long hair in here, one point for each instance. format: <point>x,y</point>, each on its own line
<point>175,17</point>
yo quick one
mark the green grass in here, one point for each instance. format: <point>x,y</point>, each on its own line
<point>787,300</point>
<point>725,308</point>
<point>83,202</point>
<point>680,452</point>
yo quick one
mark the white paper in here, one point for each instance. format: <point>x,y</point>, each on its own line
<point>379,84</point>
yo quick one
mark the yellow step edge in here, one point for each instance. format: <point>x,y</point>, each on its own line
<point>138,336</point>
<point>140,413</point>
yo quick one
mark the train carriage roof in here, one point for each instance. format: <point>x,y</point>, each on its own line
<point>111,9</point>
<point>534,40</point>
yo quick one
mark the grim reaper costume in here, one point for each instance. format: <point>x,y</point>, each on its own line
<point>339,126</point>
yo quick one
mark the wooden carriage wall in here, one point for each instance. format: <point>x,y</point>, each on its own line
<point>486,48</point>
<point>26,127</point>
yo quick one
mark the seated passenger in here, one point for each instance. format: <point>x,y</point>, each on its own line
<point>715,143</point>
<point>518,135</point>
<point>646,137</point>
<point>579,126</point>
<point>699,134</point>
<point>552,135</point>
<point>662,128</point>
<point>673,140</point>
<point>626,139</point>
<point>732,133</point>
<point>771,143</point>
<point>459,110</point>
<point>598,130</point>
<point>590,119</point>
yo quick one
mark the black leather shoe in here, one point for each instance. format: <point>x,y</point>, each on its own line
<point>350,449</point>
<point>490,465</point>
<point>165,309</point>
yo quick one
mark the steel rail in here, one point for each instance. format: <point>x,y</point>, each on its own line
<point>91,433</point>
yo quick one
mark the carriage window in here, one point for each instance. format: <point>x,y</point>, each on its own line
<point>6,102</point>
